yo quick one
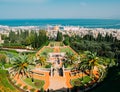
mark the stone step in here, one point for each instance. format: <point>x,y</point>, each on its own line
<point>57,83</point>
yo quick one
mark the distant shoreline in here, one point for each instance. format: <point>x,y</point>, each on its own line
<point>87,23</point>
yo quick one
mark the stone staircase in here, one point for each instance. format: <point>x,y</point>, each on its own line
<point>57,83</point>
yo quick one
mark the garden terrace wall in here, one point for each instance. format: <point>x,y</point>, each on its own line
<point>21,90</point>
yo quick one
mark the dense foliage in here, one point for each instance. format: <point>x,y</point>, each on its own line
<point>59,36</point>
<point>111,83</point>
<point>20,39</point>
<point>107,46</point>
<point>2,60</point>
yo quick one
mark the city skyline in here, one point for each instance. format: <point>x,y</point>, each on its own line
<point>28,9</point>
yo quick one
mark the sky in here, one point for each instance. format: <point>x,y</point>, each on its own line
<point>38,9</point>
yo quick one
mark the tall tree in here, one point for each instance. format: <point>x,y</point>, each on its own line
<point>59,36</point>
<point>12,37</point>
<point>66,40</point>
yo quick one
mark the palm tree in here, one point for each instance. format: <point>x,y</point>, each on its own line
<point>41,60</point>
<point>82,67</point>
<point>90,61</point>
<point>70,58</point>
<point>22,66</point>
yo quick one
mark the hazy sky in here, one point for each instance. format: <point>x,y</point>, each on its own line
<point>14,9</point>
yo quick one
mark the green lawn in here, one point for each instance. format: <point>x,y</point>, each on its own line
<point>76,82</point>
<point>85,79</point>
<point>80,81</point>
<point>67,50</point>
<point>36,84</point>
<point>9,53</point>
<point>45,51</point>
<point>56,44</point>
<point>5,86</point>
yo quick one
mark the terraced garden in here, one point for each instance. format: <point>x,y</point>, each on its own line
<point>66,50</point>
<point>80,81</point>
<point>45,51</point>
<point>5,85</point>
<point>77,81</point>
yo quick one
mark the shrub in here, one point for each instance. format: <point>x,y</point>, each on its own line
<point>14,81</point>
<point>51,45</point>
<point>76,82</point>
<point>32,90</point>
<point>19,85</point>
<point>25,87</point>
<point>48,65</point>
<point>37,84</point>
<point>61,44</point>
<point>86,79</point>
<point>42,90</point>
<point>45,53</point>
<point>2,58</point>
<point>80,81</point>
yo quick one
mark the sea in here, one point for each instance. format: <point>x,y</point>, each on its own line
<point>87,23</point>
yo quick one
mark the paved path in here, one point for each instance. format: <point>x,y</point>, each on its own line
<point>57,82</point>
<point>19,50</point>
<point>19,81</point>
<point>45,77</point>
<point>56,49</point>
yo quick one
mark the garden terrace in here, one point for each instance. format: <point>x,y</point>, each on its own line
<point>67,49</point>
<point>36,84</point>
<point>52,44</point>
<point>5,85</point>
<point>47,49</point>
<point>44,51</point>
<point>45,75</point>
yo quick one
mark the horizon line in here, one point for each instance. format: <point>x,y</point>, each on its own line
<point>55,18</point>
<point>59,18</point>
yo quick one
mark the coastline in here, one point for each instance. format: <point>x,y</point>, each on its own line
<point>87,23</point>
